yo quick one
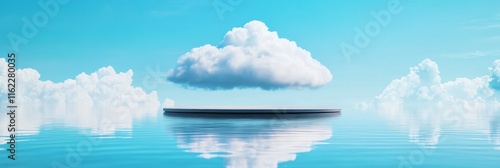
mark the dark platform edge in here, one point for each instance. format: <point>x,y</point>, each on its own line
<point>249,111</point>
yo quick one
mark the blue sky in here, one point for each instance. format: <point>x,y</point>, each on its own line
<point>87,35</point>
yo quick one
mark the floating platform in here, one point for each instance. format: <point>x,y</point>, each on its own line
<point>250,110</point>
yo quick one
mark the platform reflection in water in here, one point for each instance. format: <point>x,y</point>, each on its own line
<point>251,140</point>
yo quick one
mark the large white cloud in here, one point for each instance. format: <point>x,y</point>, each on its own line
<point>250,57</point>
<point>421,101</point>
<point>102,102</point>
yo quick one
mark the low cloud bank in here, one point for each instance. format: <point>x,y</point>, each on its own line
<point>87,101</point>
<point>424,103</point>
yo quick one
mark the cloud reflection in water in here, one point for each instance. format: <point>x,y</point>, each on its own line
<point>251,141</point>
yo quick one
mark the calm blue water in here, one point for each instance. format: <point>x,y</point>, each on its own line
<point>352,139</point>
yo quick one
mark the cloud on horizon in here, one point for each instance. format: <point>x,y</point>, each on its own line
<point>423,84</point>
<point>103,102</point>
<point>423,103</point>
<point>250,57</point>
<point>168,103</point>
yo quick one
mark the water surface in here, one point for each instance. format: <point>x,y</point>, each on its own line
<point>352,139</point>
